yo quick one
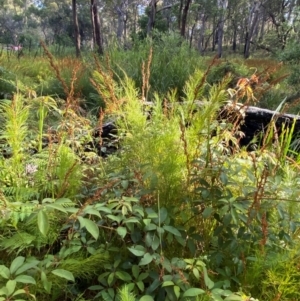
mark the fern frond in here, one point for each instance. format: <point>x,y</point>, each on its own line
<point>86,268</point>
<point>125,295</point>
<point>18,242</point>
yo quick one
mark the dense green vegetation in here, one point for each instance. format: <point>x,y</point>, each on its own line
<point>178,212</point>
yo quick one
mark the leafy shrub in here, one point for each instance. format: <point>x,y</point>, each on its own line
<point>179,212</point>
<point>169,67</point>
<point>223,68</point>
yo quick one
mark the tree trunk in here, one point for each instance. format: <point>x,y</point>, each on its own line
<point>151,20</point>
<point>96,27</point>
<point>184,17</point>
<point>234,39</point>
<point>179,14</point>
<point>76,28</point>
<point>214,35</point>
<point>222,5</point>
<point>202,33</point>
<point>120,27</point>
<point>252,24</point>
<point>122,10</point>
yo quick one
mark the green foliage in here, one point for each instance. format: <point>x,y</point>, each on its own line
<point>290,56</point>
<point>171,74</point>
<point>179,212</point>
<point>223,68</point>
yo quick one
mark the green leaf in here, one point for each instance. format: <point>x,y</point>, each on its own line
<point>150,227</point>
<point>17,262</point>
<point>122,231</point>
<point>47,200</point>
<point>143,276</point>
<point>27,266</point>
<point>235,216</point>
<point>46,283</point>
<point>3,291</point>
<point>25,279</point>
<point>146,259</point>
<point>125,184</point>
<point>196,273</point>
<point>146,298</point>
<point>167,283</point>
<point>138,250</point>
<point>130,199</point>
<point>43,222</point>
<point>160,230</point>
<point>233,297</point>
<point>117,219</point>
<point>92,211</point>
<point>4,272</point>
<point>131,220</point>
<point>208,282</point>
<point>135,271</point>
<point>207,212</point>
<point>10,286</point>
<point>216,297</point>
<point>193,292</point>
<point>123,276</point>
<point>19,292</point>
<point>63,274</point>
<point>224,178</point>
<point>63,201</point>
<point>90,226</point>
<point>110,278</point>
<point>163,214</point>
<point>177,291</point>
<point>153,286</point>
<point>152,215</point>
<point>172,230</point>
<point>155,243</point>
<point>56,207</point>
<point>140,285</point>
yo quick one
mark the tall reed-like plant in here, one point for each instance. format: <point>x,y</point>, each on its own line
<point>14,131</point>
<point>161,138</point>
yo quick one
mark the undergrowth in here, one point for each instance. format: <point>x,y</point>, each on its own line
<point>180,211</point>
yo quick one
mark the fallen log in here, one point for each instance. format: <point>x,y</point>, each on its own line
<point>254,122</point>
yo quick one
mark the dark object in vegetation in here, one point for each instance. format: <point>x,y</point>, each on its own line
<point>256,122</point>
<point>254,126</point>
<point>105,140</point>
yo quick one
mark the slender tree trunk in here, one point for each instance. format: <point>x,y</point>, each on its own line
<point>262,27</point>
<point>191,36</point>
<point>120,27</point>
<point>179,14</point>
<point>252,25</point>
<point>151,20</point>
<point>76,28</point>
<point>222,5</point>
<point>234,38</point>
<point>202,33</point>
<point>96,27</point>
<point>214,35</point>
<point>184,17</point>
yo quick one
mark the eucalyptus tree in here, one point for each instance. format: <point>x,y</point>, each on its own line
<point>152,16</point>
<point>183,15</point>
<point>13,19</point>
<point>222,6</point>
<point>252,25</point>
<point>283,14</point>
<point>76,28</point>
<point>96,26</point>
